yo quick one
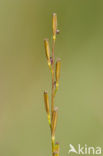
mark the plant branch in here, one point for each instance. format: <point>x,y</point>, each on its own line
<point>53,89</point>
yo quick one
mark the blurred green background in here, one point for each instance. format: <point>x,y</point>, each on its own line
<point>24,75</point>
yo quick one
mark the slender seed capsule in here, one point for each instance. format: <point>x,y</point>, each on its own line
<point>58,66</point>
<point>47,51</point>
<point>46,101</point>
<point>54,121</point>
<point>54,26</point>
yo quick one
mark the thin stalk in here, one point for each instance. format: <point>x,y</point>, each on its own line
<point>53,89</point>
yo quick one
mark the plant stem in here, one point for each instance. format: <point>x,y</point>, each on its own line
<point>52,117</point>
<point>53,89</point>
<point>53,92</point>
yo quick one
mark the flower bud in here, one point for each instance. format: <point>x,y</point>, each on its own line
<point>57,31</point>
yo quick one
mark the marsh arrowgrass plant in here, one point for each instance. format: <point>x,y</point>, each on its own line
<point>55,76</point>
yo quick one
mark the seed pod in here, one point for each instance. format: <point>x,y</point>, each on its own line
<point>54,25</point>
<point>54,121</point>
<point>47,50</point>
<point>46,101</point>
<point>58,66</point>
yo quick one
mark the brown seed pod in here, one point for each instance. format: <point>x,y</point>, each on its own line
<point>46,101</point>
<point>47,51</point>
<point>54,25</point>
<point>54,121</point>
